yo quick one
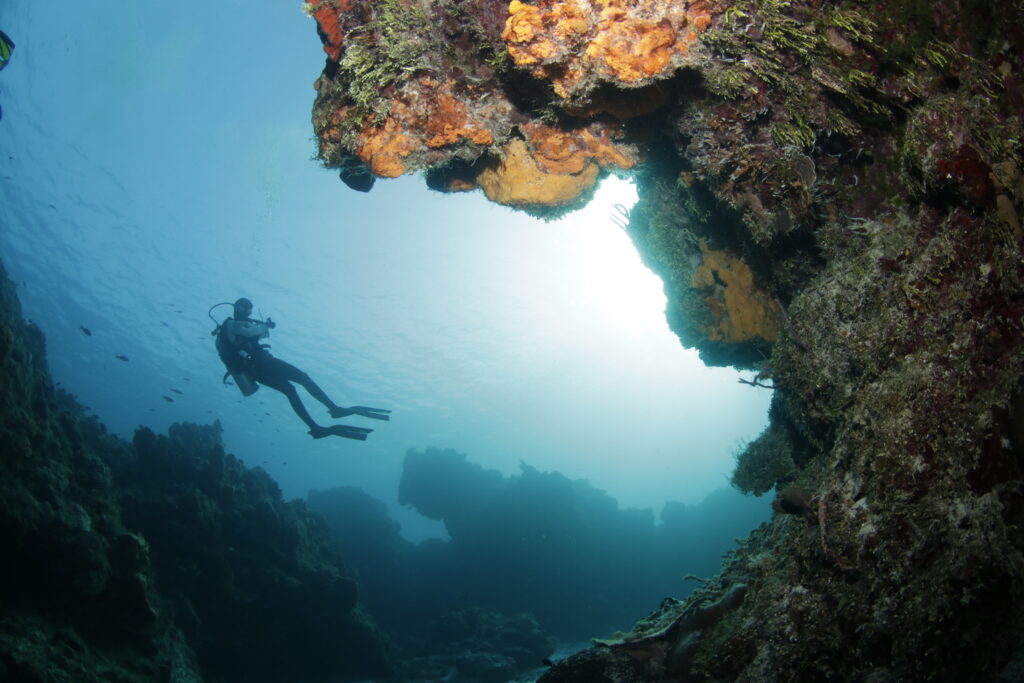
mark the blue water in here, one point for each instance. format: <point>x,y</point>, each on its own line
<point>157,160</point>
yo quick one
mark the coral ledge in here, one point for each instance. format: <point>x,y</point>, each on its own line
<point>831,193</point>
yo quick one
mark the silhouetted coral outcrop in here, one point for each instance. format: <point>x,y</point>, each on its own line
<point>253,581</point>
<point>536,542</point>
<point>160,560</point>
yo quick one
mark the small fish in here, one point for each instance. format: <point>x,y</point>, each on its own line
<point>186,379</point>
<point>168,399</point>
<point>179,393</point>
<point>164,324</point>
<point>121,356</point>
<point>85,331</point>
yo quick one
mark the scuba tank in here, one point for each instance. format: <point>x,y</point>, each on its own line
<point>229,356</point>
<point>246,384</point>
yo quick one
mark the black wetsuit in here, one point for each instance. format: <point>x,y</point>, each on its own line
<point>243,352</point>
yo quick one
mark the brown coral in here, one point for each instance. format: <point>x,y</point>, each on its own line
<point>561,151</point>
<point>740,311</point>
<point>384,148</point>
<point>554,31</point>
<point>326,15</point>
<point>449,122</point>
<point>632,49</point>
<point>517,180</point>
<point>613,40</point>
<point>427,116</point>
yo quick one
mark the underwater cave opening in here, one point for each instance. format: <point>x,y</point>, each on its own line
<point>508,339</point>
<point>486,330</point>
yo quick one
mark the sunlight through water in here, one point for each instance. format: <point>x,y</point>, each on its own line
<point>614,283</point>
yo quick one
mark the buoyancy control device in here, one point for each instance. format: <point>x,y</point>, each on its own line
<point>229,355</point>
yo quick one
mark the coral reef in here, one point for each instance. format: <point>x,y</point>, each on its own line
<point>479,644</point>
<point>536,543</point>
<point>419,87</point>
<point>162,559</point>
<point>411,589</point>
<point>265,598</point>
<point>831,193</point>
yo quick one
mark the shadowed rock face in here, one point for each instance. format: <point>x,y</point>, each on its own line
<point>534,543</point>
<point>831,193</point>
<point>164,559</point>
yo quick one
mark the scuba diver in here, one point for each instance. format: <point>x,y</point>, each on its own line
<point>251,364</point>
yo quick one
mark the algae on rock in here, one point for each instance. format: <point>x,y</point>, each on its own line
<point>851,172</point>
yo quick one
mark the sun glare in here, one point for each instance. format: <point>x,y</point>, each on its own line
<point>616,284</point>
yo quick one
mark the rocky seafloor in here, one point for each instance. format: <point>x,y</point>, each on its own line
<point>831,192</point>
<point>165,559</point>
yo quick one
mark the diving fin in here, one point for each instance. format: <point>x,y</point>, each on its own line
<point>362,411</point>
<point>344,431</point>
<point>6,48</point>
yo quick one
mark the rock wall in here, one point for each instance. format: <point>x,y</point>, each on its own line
<point>831,193</point>
<point>164,559</point>
<point>536,542</point>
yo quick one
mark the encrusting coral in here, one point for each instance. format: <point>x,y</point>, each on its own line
<point>411,87</point>
<point>831,193</point>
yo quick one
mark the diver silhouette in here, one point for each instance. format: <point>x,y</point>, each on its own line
<point>250,364</point>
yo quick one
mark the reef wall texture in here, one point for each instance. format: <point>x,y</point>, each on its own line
<point>831,193</point>
<point>164,559</point>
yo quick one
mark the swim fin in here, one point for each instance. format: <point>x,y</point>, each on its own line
<point>6,48</point>
<point>344,431</point>
<point>362,411</point>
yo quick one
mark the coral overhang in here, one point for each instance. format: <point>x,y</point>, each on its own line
<point>831,193</point>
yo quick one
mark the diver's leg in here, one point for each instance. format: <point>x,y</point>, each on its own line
<point>298,407</point>
<point>315,430</point>
<point>294,374</point>
<point>316,392</point>
<point>270,375</point>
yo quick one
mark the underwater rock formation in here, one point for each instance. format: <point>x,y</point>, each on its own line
<point>831,193</point>
<point>534,543</point>
<point>481,645</point>
<point>411,589</point>
<point>557,548</point>
<point>164,559</point>
<point>254,582</point>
